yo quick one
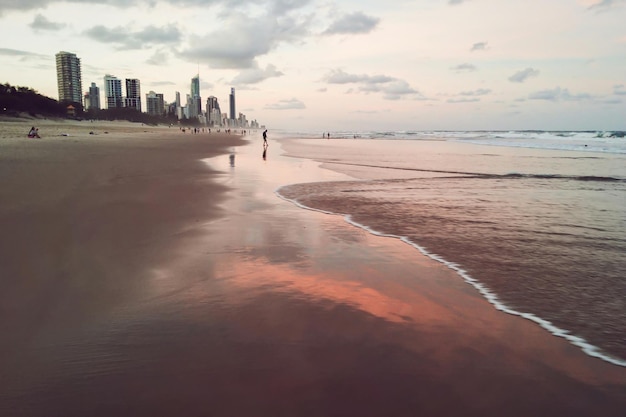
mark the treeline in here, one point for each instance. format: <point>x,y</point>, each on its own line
<point>15,101</point>
<point>132,115</point>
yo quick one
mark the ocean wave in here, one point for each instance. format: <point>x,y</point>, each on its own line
<point>582,141</point>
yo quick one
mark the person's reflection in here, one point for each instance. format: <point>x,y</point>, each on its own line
<point>265,151</point>
<point>232,159</point>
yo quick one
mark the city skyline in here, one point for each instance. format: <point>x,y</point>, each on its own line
<point>68,68</point>
<point>400,65</point>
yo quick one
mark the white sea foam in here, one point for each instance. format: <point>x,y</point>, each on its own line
<point>487,293</point>
<point>582,141</point>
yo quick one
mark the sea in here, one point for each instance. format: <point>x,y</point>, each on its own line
<point>534,220</point>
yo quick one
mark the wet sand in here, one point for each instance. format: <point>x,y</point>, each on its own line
<point>139,281</point>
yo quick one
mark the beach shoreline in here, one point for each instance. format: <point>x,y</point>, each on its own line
<point>144,281</point>
<point>468,176</point>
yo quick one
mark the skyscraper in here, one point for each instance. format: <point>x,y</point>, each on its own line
<point>179,106</point>
<point>195,107</point>
<point>69,79</point>
<point>231,97</point>
<point>195,86</point>
<point>113,91</point>
<point>133,94</point>
<point>213,113</point>
<point>155,104</point>
<point>94,98</point>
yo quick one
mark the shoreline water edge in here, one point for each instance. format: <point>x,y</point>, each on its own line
<point>384,177</point>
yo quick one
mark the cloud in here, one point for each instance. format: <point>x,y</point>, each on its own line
<point>619,90</point>
<point>396,89</point>
<point>248,29</point>
<point>275,6</point>
<point>22,5</point>
<point>352,23</point>
<point>523,75</point>
<point>29,59</point>
<point>469,96</point>
<point>339,76</point>
<point>291,104</point>
<point>455,2</point>
<point>479,46</point>
<point>464,68</point>
<point>241,39</point>
<point>7,5</point>
<point>205,85</point>
<point>256,75</point>
<point>23,54</point>
<point>604,5</point>
<point>462,100</point>
<point>392,88</point>
<point>558,94</point>
<point>42,23</point>
<point>124,38</point>
<point>478,92</point>
<point>159,57</point>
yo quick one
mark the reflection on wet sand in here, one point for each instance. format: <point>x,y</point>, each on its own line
<point>274,310</point>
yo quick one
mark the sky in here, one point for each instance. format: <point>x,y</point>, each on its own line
<point>324,65</point>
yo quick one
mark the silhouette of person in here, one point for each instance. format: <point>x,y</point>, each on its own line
<point>265,138</point>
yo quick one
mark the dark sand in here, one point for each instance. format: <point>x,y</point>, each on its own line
<point>137,281</point>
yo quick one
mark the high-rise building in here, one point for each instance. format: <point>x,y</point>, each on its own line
<point>113,91</point>
<point>195,104</point>
<point>242,121</point>
<point>133,94</point>
<point>69,80</point>
<point>179,106</point>
<point>92,98</point>
<point>213,112</point>
<point>195,86</point>
<point>155,104</point>
<point>231,97</point>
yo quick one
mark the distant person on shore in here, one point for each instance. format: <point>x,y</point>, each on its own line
<point>33,133</point>
<point>265,138</point>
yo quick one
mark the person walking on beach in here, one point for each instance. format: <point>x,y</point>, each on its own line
<point>265,138</point>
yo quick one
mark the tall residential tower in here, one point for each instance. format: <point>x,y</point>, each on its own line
<point>113,91</point>
<point>69,79</point>
<point>155,105</point>
<point>92,98</point>
<point>133,94</point>
<point>232,115</point>
<point>213,112</point>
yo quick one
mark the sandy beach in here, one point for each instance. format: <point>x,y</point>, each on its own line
<point>145,271</point>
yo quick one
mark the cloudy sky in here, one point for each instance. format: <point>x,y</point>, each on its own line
<point>323,65</point>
